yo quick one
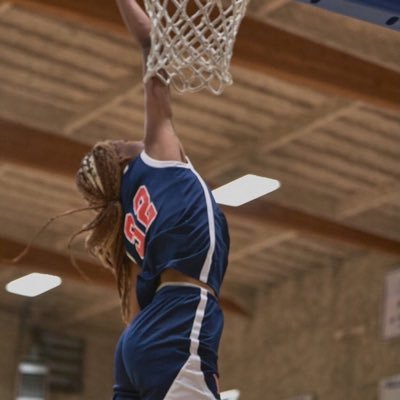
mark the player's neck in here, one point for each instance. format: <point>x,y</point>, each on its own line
<point>127,151</point>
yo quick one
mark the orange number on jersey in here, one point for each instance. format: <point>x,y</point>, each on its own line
<point>143,207</point>
<point>146,213</point>
<point>134,234</point>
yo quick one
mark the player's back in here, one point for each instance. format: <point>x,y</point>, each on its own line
<point>172,221</point>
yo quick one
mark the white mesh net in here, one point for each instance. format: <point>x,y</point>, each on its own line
<point>192,42</point>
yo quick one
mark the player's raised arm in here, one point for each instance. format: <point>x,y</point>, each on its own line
<point>160,139</point>
<point>137,22</point>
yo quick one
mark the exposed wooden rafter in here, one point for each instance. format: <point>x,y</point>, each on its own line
<point>271,6</point>
<point>46,261</point>
<point>121,89</point>
<point>282,134</point>
<point>321,227</point>
<point>360,202</point>
<point>38,149</point>
<point>51,152</point>
<point>266,49</point>
<point>260,245</point>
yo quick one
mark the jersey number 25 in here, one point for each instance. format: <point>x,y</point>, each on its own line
<point>145,213</point>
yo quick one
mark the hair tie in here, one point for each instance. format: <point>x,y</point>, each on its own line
<point>90,173</point>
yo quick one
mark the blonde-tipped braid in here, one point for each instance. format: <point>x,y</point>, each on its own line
<point>99,181</point>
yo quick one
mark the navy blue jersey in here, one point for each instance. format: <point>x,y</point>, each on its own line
<point>172,221</point>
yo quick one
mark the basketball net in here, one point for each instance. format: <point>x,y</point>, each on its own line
<point>192,42</point>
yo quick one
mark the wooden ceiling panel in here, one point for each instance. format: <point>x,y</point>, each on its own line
<point>103,130</point>
<point>383,220</point>
<point>37,98</point>
<point>234,108</point>
<point>274,105</point>
<point>53,238</point>
<point>386,123</point>
<point>296,191</point>
<point>327,247</point>
<point>305,169</point>
<point>130,114</point>
<point>61,71</point>
<point>357,150</point>
<point>75,35</point>
<point>386,116</point>
<point>331,171</point>
<point>377,196</point>
<point>29,198</point>
<point>283,132</point>
<point>56,189</point>
<point>353,36</point>
<point>374,137</point>
<point>31,108</point>
<point>56,51</point>
<point>219,124</point>
<point>332,159</point>
<point>126,125</point>
<point>73,83</point>
<point>326,160</point>
<point>297,95</point>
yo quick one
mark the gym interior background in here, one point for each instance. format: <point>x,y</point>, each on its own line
<point>310,308</point>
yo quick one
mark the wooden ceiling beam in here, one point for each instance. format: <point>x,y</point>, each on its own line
<point>36,148</point>
<point>266,49</point>
<point>57,154</point>
<point>271,6</point>
<point>282,134</point>
<point>120,91</point>
<point>49,262</point>
<point>311,225</point>
<point>261,244</point>
<point>284,55</point>
<point>364,201</point>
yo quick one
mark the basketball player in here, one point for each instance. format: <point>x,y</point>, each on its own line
<point>160,231</point>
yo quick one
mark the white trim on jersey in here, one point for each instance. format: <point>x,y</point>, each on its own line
<point>152,162</point>
<point>205,271</point>
<point>185,284</point>
<point>190,382</point>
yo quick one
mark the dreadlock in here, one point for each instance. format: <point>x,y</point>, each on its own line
<point>99,181</point>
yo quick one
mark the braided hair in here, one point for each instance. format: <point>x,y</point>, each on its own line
<point>99,181</point>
